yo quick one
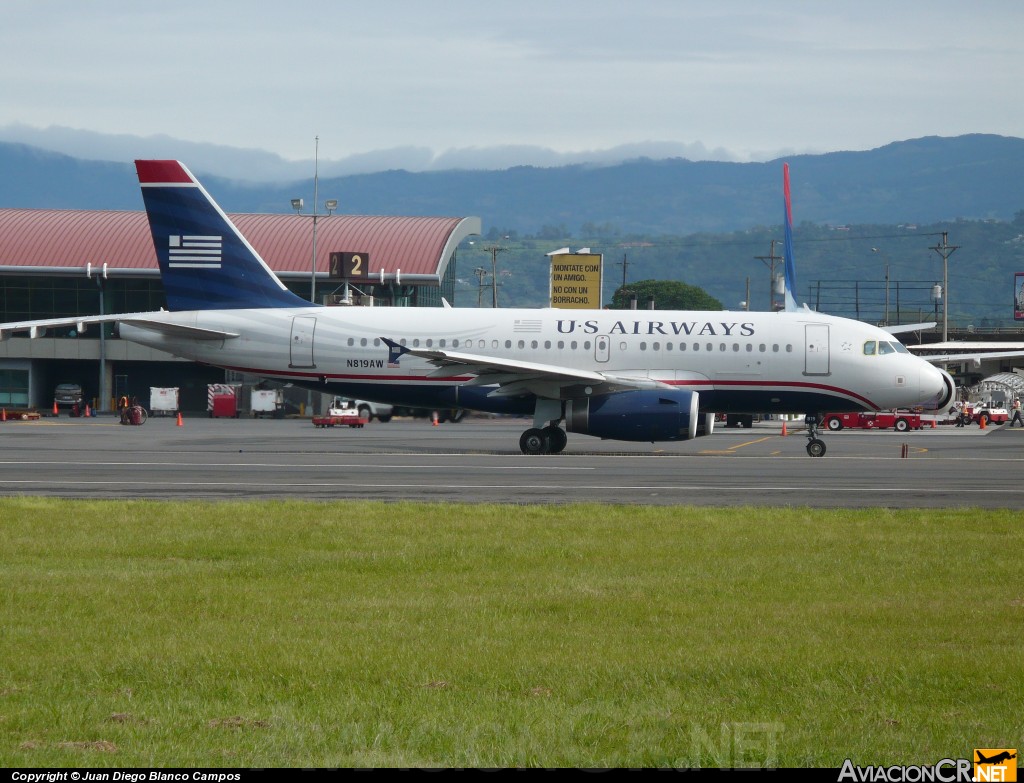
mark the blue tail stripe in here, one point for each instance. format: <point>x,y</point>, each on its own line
<point>205,263</point>
<point>789,263</point>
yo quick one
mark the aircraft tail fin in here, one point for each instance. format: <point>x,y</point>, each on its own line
<point>205,262</point>
<point>789,264</point>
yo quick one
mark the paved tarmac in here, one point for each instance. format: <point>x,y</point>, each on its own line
<point>478,460</point>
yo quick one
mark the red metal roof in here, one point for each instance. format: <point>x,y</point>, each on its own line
<point>55,240</point>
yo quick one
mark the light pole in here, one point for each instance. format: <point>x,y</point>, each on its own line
<point>330,205</point>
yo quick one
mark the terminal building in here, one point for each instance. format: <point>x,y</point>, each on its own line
<point>66,263</point>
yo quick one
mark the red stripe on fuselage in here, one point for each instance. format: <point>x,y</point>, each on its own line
<point>713,385</point>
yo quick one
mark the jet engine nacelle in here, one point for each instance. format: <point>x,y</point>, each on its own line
<point>635,415</point>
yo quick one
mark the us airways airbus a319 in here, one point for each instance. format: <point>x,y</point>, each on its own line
<point>624,375</point>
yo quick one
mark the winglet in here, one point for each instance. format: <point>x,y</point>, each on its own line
<point>395,351</point>
<point>790,264</point>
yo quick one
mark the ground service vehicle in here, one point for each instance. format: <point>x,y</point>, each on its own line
<point>901,421</point>
<point>67,395</point>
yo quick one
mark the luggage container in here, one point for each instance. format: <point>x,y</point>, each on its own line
<point>268,402</point>
<point>163,401</point>
<point>225,406</point>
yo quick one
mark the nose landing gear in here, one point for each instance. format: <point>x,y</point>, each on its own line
<point>815,446</point>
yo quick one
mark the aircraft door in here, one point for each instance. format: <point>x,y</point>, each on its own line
<point>301,346</point>
<point>816,355</point>
<point>602,347</point>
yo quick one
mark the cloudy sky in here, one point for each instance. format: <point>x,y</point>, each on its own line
<point>489,83</point>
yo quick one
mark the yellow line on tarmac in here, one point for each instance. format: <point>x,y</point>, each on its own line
<point>732,449</point>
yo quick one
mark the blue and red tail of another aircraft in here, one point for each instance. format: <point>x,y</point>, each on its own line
<point>205,263</point>
<point>790,265</point>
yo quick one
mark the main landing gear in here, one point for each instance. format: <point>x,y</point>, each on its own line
<point>815,446</point>
<point>546,440</point>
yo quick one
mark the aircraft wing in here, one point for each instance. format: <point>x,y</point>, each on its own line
<point>901,328</point>
<point>142,320</point>
<point>975,358</point>
<point>514,377</point>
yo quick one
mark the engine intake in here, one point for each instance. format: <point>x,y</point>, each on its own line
<point>641,415</point>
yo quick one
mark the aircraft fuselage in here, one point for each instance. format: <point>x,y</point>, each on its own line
<point>738,361</point>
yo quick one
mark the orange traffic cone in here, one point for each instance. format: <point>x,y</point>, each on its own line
<point>87,412</point>
<point>982,421</point>
<point>3,414</point>
<point>180,424</point>
<point>784,428</point>
<point>933,423</point>
<point>433,416</point>
<point>55,411</point>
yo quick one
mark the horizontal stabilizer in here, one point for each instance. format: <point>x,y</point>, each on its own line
<point>178,330</point>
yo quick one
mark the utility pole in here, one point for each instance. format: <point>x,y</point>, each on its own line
<point>494,250</point>
<point>480,273</point>
<point>945,250</point>
<point>769,261</point>
<point>625,265</point>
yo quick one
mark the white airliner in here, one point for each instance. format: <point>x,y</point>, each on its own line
<point>625,375</point>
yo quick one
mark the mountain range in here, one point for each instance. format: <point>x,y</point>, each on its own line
<point>922,180</point>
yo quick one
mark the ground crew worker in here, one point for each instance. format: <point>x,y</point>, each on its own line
<point>122,405</point>
<point>1016,413</point>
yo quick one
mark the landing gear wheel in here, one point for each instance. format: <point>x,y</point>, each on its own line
<point>556,439</point>
<point>816,448</point>
<point>534,441</point>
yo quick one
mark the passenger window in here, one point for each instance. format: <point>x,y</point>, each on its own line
<point>655,346</point>
<point>455,343</point>
<point>869,348</point>
<point>586,345</point>
<point>643,346</point>
<point>508,343</point>
<point>789,348</point>
<point>561,345</point>
<point>363,342</point>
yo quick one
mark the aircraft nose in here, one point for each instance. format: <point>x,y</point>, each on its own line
<point>937,388</point>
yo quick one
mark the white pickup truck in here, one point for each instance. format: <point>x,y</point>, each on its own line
<point>380,411</point>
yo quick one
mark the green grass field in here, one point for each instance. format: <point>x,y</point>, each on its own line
<point>368,634</point>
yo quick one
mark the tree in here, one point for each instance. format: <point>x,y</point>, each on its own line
<point>668,295</point>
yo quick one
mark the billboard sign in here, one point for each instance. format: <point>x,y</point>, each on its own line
<point>576,280</point>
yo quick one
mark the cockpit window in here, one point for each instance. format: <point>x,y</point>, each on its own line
<point>884,347</point>
<point>869,348</point>
<point>900,347</point>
